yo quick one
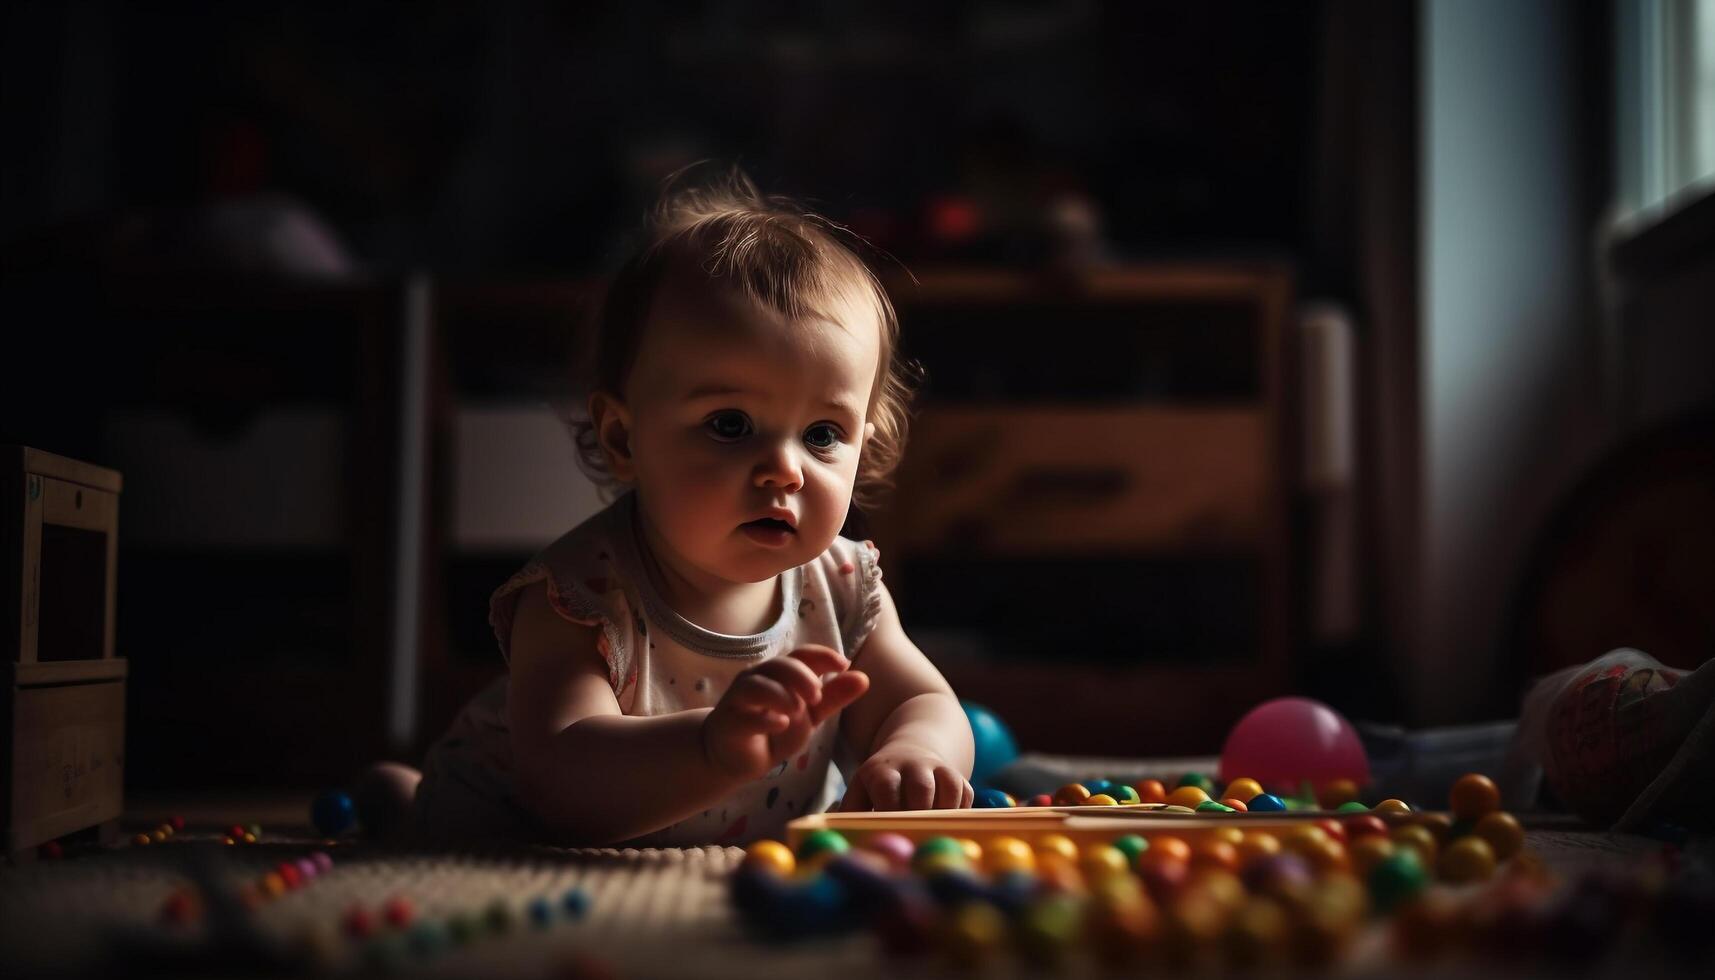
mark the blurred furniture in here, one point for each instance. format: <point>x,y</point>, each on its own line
<point>259,426</point>
<point>1089,533</point>
<point>64,711</point>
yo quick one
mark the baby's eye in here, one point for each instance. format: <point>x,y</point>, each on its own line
<point>728,426</point>
<point>821,436</point>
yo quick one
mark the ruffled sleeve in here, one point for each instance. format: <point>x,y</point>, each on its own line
<point>583,589</point>
<point>858,573</point>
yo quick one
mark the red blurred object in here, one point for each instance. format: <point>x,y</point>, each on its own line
<point>1287,741</point>
<point>1365,825</point>
<point>398,911</point>
<point>953,219</point>
<point>359,923</point>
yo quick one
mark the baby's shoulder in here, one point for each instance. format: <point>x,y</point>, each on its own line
<point>580,580</point>
<point>847,577</point>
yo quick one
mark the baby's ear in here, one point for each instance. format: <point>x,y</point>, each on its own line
<point>611,420</point>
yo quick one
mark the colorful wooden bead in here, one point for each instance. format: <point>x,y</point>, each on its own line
<point>1041,799</point>
<point>1257,844</point>
<point>1150,791</point>
<point>1211,853</point>
<point>1503,832</point>
<point>289,874</point>
<point>1124,794</point>
<point>1419,839</point>
<point>896,849</point>
<point>333,812</point>
<point>1210,806</point>
<point>1392,806</point>
<point>1100,799</point>
<point>1235,804</point>
<point>177,822</point>
<point>1337,793</point>
<point>1266,803</point>
<point>1364,825</point>
<point>1169,849</point>
<point>1050,847</point>
<point>1096,786</point>
<point>990,798</point>
<point>398,911</point>
<point>541,911</point>
<point>938,846</point>
<point>1367,852</point>
<point>1442,826</point>
<point>1397,879</point>
<point>823,841</point>
<point>575,902</point>
<point>1071,794</point>
<point>1102,861</point>
<point>1008,854</point>
<point>1243,788</point>
<point>1465,860</point>
<point>1131,845</point>
<point>1188,796</point>
<point>1473,796</point>
<point>142,839</point>
<point>1352,806</point>
<point>771,856</point>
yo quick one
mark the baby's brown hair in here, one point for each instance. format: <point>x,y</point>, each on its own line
<point>777,254</point>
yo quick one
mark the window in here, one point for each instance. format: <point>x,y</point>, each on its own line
<point>1665,111</point>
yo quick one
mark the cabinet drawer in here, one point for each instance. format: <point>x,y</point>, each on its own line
<point>1069,481</point>
<point>67,761</point>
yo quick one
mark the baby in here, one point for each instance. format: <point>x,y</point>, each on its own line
<point>694,663</point>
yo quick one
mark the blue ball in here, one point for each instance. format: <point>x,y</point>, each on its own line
<point>990,797</point>
<point>1266,803</point>
<point>333,813</point>
<point>1096,786</point>
<point>995,747</point>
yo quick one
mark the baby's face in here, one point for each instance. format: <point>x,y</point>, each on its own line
<point>746,430</point>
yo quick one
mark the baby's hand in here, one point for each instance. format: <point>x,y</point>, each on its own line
<point>902,776</point>
<point>770,710</point>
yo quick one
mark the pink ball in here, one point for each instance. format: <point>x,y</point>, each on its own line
<point>896,848</point>
<point>1282,743</point>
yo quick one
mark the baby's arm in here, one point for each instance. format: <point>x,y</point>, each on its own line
<point>910,729</point>
<point>596,775</point>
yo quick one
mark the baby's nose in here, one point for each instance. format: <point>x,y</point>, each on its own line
<point>780,468</point>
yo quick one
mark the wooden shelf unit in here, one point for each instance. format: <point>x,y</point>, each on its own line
<point>1089,532</point>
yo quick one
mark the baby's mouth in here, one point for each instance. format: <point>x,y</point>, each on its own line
<point>771,524</point>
